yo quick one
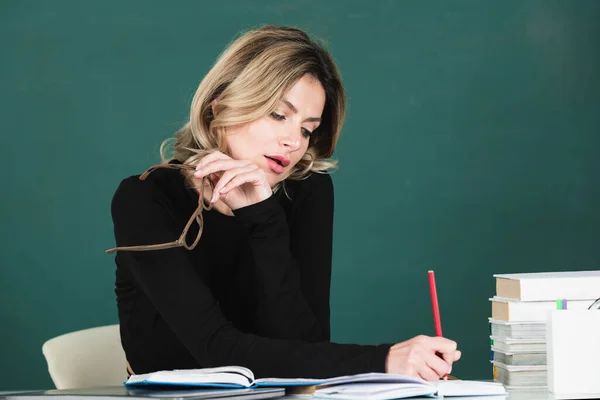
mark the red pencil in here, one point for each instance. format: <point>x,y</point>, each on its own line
<point>436,309</point>
<point>434,304</point>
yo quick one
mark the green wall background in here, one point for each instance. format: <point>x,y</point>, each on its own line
<point>470,148</point>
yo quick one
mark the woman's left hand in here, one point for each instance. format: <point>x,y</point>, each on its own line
<point>238,183</point>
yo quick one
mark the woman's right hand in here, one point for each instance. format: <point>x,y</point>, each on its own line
<point>425,357</point>
<point>237,183</point>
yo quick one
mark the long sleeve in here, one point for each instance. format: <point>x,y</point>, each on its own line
<point>142,215</point>
<point>293,261</point>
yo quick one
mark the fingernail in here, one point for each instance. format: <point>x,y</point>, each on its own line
<point>450,371</point>
<point>213,198</point>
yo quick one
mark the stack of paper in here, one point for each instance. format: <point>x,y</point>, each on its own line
<point>518,323</point>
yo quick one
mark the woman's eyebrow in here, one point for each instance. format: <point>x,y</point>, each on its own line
<point>294,110</point>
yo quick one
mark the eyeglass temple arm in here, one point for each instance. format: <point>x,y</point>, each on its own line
<point>196,216</point>
<point>144,247</point>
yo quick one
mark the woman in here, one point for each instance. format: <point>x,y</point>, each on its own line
<point>247,282</point>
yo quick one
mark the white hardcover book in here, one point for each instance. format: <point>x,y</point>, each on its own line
<point>549,286</point>
<point>506,309</point>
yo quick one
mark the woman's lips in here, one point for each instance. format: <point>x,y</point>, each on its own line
<point>274,165</point>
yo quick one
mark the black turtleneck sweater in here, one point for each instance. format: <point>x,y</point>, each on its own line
<point>254,292</point>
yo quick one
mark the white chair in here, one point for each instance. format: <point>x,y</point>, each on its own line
<point>86,358</point>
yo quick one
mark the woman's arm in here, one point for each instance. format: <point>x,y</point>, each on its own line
<point>141,215</point>
<point>312,241</point>
<point>293,260</point>
<point>293,296</point>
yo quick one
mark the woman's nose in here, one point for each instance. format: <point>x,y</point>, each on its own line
<point>291,141</point>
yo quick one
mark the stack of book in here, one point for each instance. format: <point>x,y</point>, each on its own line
<point>518,323</point>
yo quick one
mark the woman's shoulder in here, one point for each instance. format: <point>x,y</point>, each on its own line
<point>160,185</point>
<point>319,181</point>
<point>315,184</point>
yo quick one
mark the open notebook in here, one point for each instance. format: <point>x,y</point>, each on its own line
<point>400,390</point>
<point>376,386</point>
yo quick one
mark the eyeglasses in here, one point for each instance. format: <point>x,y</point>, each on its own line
<point>196,216</point>
<point>595,305</point>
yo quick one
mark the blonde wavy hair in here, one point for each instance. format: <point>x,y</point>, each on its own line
<point>249,79</point>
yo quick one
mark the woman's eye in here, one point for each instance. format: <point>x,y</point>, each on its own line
<point>306,132</point>
<point>276,116</point>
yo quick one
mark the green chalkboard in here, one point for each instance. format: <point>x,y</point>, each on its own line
<point>470,148</point>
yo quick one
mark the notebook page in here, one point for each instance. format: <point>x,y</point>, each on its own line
<point>374,391</point>
<point>376,377</point>
<point>221,375</point>
<point>264,382</point>
<point>453,388</point>
<point>371,377</point>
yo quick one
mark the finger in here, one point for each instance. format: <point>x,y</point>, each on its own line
<point>220,165</point>
<point>255,178</point>
<point>437,364</point>
<point>215,155</point>
<point>448,358</point>
<point>230,174</point>
<point>429,375</point>
<point>214,178</point>
<point>247,177</point>
<point>440,344</point>
<point>457,355</point>
<point>428,365</point>
<point>451,357</point>
<point>425,372</point>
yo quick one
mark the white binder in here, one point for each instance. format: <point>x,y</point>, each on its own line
<point>573,353</point>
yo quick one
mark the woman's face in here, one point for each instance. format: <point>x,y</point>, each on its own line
<point>276,142</point>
